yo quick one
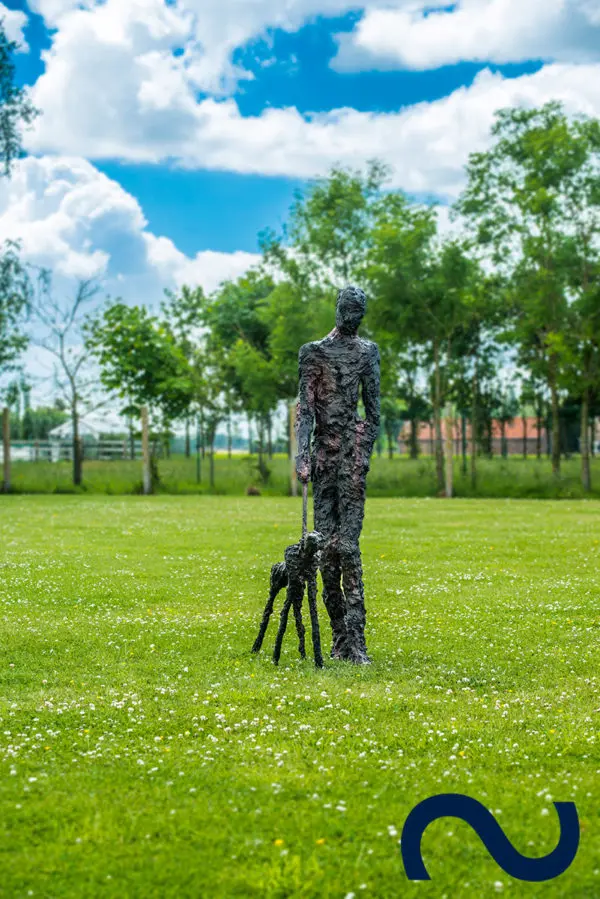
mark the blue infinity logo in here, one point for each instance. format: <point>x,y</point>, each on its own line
<point>455,805</point>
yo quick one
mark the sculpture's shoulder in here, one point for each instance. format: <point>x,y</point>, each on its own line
<point>308,351</point>
<point>313,353</point>
<point>370,349</point>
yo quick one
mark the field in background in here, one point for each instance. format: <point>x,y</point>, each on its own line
<point>399,477</point>
<point>145,753</point>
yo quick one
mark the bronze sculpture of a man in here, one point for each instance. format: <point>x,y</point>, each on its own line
<point>332,372</point>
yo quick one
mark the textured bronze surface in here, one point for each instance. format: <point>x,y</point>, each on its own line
<point>299,571</point>
<point>334,450</point>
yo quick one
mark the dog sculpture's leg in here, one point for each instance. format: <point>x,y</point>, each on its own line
<point>283,620</point>
<point>314,618</point>
<point>298,598</point>
<point>279,580</point>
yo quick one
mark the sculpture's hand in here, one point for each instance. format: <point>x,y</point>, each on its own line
<point>303,468</point>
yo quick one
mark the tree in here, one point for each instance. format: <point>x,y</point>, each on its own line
<point>506,412</point>
<point>39,421</point>
<point>528,196</point>
<point>239,331</point>
<point>183,318</point>
<point>209,395</point>
<point>419,287</point>
<point>141,363</point>
<point>16,111</point>
<point>329,230</point>
<point>15,299</point>
<point>63,321</point>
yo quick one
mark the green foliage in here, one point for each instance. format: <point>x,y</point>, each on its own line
<point>15,295</point>
<point>534,202</point>
<point>140,360</point>
<point>16,110</point>
<point>329,229</point>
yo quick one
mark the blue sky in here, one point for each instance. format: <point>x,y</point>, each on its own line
<point>236,207</point>
<point>180,129</point>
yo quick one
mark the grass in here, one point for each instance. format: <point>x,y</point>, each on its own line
<point>400,477</point>
<point>145,753</point>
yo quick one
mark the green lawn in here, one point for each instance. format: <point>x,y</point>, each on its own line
<point>145,753</point>
<point>398,477</point>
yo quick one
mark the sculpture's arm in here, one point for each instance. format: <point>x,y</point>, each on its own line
<point>306,411</point>
<point>371,398</point>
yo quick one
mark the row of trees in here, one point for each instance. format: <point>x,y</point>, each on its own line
<point>515,282</point>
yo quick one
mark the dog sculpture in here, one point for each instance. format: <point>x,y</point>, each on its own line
<point>297,572</point>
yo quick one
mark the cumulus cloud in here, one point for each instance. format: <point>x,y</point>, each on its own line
<point>427,144</point>
<point>499,31</point>
<point>208,31</point>
<point>13,22</point>
<point>76,221</point>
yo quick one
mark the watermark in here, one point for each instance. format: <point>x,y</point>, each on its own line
<point>455,805</point>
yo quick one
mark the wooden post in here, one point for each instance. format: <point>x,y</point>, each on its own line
<point>293,450</point>
<point>6,448</point>
<point>449,454</point>
<point>147,474</point>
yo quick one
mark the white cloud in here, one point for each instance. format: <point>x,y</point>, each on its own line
<point>78,222</point>
<point>499,31</point>
<point>148,108</point>
<point>207,268</point>
<point>14,22</point>
<point>207,30</point>
<point>427,144</point>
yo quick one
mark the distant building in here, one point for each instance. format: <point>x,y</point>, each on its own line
<point>520,435</point>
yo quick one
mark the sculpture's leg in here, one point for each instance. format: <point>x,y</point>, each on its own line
<point>325,494</point>
<point>279,580</point>
<point>314,618</point>
<point>297,590</point>
<point>352,504</point>
<point>292,591</point>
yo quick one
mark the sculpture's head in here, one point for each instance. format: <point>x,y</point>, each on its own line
<point>314,541</point>
<point>350,309</point>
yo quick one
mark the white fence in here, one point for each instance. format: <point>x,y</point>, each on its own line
<point>62,450</point>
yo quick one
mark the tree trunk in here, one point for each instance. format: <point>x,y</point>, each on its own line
<point>593,436</point>
<point>474,420</point>
<point>524,420</point>
<point>586,474</point>
<point>503,438</point>
<point>131,438</point>
<point>414,438</point>
<point>188,442</point>
<point>555,419</point>
<point>538,437</point>
<point>202,435</point>
<point>270,437</point>
<point>390,443</point>
<point>77,462</point>
<point>198,453</point>
<point>449,473</point>
<point>212,459</point>
<point>250,447</point>
<point>261,449</point>
<point>229,437</point>
<point>463,434</point>
<point>437,417</point>
<point>6,449</point>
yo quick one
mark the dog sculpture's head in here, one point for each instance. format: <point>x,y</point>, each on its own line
<point>314,541</point>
